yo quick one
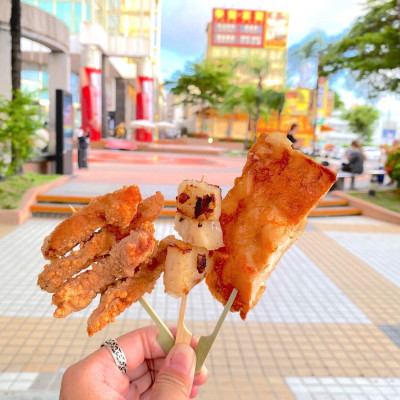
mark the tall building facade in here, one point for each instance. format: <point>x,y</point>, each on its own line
<point>115,60</point>
<point>242,34</point>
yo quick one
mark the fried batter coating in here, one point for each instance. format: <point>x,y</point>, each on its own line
<point>148,210</point>
<point>121,294</point>
<point>262,215</point>
<point>99,245</point>
<point>116,208</point>
<point>61,269</point>
<point>125,256</point>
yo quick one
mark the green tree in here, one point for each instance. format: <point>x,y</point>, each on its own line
<point>361,120</point>
<point>204,85</point>
<point>337,102</point>
<point>248,99</point>
<point>371,49</point>
<point>250,70</point>
<point>18,126</point>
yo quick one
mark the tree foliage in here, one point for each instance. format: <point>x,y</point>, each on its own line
<point>18,126</point>
<point>362,120</point>
<point>371,49</point>
<point>204,84</point>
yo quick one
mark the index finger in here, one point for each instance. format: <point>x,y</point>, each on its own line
<point>139,345</point>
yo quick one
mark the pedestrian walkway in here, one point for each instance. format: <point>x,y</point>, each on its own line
<point>327,327</point>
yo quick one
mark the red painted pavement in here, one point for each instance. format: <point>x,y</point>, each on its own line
<point>152,168</point>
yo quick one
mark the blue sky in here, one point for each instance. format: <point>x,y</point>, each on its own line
<point>183,25</point>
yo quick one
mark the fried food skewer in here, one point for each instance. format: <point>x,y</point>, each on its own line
<point>125,256</point>
<point>116,208</point>
<point>99,245</point>
<point>121,294</point>
<point>61,269</point>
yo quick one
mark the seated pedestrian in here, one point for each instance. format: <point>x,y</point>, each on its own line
<point>355,157</point>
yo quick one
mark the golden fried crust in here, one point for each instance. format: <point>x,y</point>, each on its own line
<point>121,294</point>
<point>262,215</point>
<point>60,269</point>
<point>78,292</point>
<point>116,208</point>
<point>148,210</point>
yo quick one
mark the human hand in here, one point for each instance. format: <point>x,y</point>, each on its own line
<point>151,373</point>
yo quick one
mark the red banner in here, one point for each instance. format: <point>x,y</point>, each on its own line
<point>91,102</point>
<point>144,106</point>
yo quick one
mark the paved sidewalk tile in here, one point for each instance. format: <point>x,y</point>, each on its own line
<point>327,326</point>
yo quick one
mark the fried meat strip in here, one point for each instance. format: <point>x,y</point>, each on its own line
<point>121,294</point>
<point>99,245</point>
<point>148,210</point>
<point>116,208</point>
<point>61,269</point>
<point>262,215</point>
<point>124,258</point>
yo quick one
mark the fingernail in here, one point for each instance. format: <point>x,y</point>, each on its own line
<point>182,358</point>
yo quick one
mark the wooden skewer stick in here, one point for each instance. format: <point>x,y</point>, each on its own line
<point>183,335</point>
<point>205,342</point>
<point>165,337</point>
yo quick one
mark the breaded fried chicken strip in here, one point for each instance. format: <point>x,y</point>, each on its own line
<point>61,269</point>
<point>262,215</point>
<point>125,256</point>
<point>116,208</point>
<point>99,245</point>
<point>121,294</point>
<point>148,210</point>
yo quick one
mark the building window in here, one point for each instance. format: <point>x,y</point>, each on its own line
<point>46,5</point>
<point>63,12</point>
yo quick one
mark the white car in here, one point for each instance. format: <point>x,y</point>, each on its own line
<point>372,153</point>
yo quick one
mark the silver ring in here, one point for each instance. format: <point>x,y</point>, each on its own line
<point>117,353</point>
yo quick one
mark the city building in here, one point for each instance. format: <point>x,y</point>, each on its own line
<point>112,55</point>
<point>247,34</point>
<point>242,34</point>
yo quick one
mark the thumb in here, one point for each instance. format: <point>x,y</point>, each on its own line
<point>175,379</point>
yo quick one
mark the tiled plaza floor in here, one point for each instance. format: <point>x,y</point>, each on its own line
<point>328,326</point>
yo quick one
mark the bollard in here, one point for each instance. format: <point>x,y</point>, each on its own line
<point>373,185</point>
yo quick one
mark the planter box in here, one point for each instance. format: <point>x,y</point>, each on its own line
<point>23,212</point>
<point>369,209</point>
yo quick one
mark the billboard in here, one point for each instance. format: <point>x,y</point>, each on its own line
<point>322,99</point>
<point>238,28</point>
<point>297,102</point>
<point>309,73</point>
<point>276,29</point>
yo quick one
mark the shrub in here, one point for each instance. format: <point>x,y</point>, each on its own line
<point>19,122</point>
<point>392,165</point>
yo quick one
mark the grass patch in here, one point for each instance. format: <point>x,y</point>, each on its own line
<point>13,188</point>
<point>235,153</point>
<point>389,199</point>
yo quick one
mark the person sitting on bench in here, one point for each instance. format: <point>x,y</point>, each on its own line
<point>355,165</point>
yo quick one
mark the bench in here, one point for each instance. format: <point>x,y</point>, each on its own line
<point>43,164</point>
<point>375,176</point>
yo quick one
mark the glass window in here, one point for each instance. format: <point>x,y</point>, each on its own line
<point>77,18</point>
<point>46,5</point>
<point>63,12</point>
